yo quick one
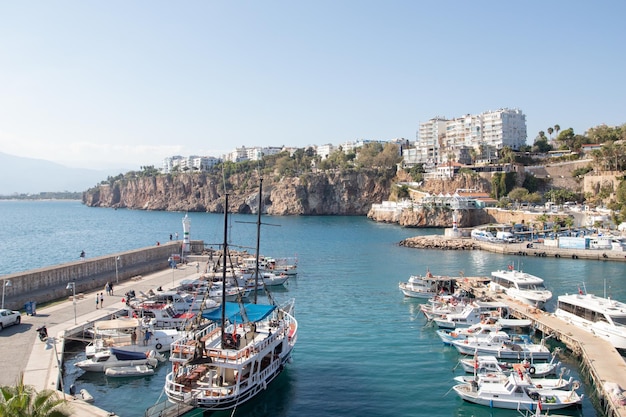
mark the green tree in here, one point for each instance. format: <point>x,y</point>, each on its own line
<point>23,401</point>
<point>541,144</point>
<point>518,195</point>
<point>550,131</point>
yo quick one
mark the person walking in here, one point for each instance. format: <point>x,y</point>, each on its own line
<point>101,300</point>
<point>111,288</point>
<point>133,338</point>
<point>97,300</point>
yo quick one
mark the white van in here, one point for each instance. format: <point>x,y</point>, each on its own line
<point>507,237</point>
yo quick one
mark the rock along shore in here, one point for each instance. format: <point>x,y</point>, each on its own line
<point>440,242</point>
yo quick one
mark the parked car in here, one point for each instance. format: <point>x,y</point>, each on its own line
<point>9,317</point>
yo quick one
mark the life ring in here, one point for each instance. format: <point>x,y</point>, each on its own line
<point>576,385</point>
<point>158,346</point>
<point>532,370</point>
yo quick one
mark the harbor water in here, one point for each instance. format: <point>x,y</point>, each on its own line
<point>362,346</point>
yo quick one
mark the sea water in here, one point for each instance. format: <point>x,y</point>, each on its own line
<point>363,348</point>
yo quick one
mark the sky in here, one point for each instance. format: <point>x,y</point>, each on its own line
<point>107,84</point>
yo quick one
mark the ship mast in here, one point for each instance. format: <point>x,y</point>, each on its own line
<point>224,268</point>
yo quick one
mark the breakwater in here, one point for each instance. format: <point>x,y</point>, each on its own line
<point>517,249</point>
<point>49,284</point>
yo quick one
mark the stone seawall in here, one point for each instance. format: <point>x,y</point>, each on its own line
<point>49,283</point>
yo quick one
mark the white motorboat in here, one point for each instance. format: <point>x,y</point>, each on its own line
<point>161,315</point>
<point>491,364</point>
<point>522,286</point>
<point>516,393</point>
<point>129,371</point>
<point>537,382</point>
<point>129,334</point>
<point>601,316</point>
<point>111,358</point>
<point>181,301</point>
<point>427,286</point>
<point>439,306</point>
<point>498,344</point>
<point>478,330</point>
<point>473,313</point>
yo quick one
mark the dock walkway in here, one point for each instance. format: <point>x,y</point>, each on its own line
<point>598,357</point>
<point>40,363</point>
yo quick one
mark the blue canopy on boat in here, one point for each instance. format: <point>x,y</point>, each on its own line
<point>254,312</point>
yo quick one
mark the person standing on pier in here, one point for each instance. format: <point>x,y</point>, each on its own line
<point>101,300</point>
<point>97,300</point>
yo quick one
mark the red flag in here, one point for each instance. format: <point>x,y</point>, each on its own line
<point>580,291</point>
<point>510,267</point>
<point>539,405</point>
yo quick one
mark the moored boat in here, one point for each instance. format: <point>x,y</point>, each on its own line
<point>601,316</point>
<point>522,286</point>
<point>129,371</point>
<point>427,286</point>
<point>499,345</point>
<point>516,393</point>
<point>489,364</point>
<point>110,358</point>
<point>231,360</point>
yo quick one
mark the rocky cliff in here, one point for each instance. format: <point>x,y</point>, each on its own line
<point>347,192</point>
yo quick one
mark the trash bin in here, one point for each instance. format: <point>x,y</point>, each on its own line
<point>30,308</point>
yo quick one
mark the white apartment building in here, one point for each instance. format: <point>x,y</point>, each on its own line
<point>439,139</point>
<point>193,162</point>
<point>324,151</point>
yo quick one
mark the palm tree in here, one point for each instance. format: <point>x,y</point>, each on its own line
<point>550,130</point>
<point>23,401</point>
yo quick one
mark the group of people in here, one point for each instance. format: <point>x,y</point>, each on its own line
<point>99,300</point>
<point>108,288</point>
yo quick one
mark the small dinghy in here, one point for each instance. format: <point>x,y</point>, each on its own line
<point>126,371</point>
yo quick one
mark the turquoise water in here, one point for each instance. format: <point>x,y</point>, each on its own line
<point>362,347</point>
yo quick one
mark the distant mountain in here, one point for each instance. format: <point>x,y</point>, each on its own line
<point>26,175</point>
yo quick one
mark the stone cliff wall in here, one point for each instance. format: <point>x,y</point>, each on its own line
<point>431,217</point>
<point>332,193</point>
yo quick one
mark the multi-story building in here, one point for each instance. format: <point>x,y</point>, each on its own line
<point>440,140</point>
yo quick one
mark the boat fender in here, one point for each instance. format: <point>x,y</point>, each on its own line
<point>576,385</point>
<point>87,397</point>
<point>158,346</point>
<point>532,370</point>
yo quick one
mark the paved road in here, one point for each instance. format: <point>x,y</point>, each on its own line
<point>17,342</point>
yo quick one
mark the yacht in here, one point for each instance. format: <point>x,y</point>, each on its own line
<point>601,316</point>
<point>522,286</point>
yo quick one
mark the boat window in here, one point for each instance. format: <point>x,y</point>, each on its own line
<point>532,287</point>
<point>621,321</point>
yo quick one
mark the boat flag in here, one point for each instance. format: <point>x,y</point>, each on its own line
<point>510,267</point>
<point>580,291</point>
<point>539,405</point>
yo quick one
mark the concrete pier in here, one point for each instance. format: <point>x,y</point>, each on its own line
<point>40,362</point>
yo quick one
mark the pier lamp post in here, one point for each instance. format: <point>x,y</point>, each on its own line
<point>117,278</point>
<point>72,286</point>
<point>5,283</point>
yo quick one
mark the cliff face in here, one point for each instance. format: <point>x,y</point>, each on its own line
<point>332,193</point>
<point>431,217</point>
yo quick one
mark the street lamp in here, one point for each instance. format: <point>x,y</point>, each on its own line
<point>72,286</point>
<point>7,283</point>
<point>117,278</point>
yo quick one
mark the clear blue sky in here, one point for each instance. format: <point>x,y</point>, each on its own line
<point>126,83</point>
